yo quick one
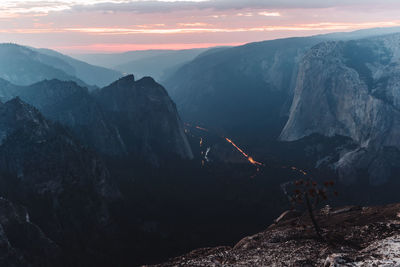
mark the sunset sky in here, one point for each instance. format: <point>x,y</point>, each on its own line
<point>90,26</point>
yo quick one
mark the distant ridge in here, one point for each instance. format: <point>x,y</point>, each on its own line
<point>22,65</point>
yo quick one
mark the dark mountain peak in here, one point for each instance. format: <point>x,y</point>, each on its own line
<point>147,81</point>
<point>99,119</point>
<point>128,89</point>
<point>16,102</point>
<point>145,116</point>
<point>18,110</point>
<point>56,81</point>
<point>18,106</point>
<point>17,115</point>
<point>55,88</point>
<point>126,81</point>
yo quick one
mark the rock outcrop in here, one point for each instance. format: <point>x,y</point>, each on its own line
<point>72,106</point>
<point>351,89</point>
<point>66,188</point>
<point>127,118</point>
<point>22,242</point>
<point>353,236</point>
<point>243,89</point>
<point>146,118</point>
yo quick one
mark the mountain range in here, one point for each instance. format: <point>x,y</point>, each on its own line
<point>128,117</point>
<point>62,187</point>
<point>290,89</point>
<point>23,65</point>
<point>97,169</point>
<point>58,142</point>
<point>154,63</point>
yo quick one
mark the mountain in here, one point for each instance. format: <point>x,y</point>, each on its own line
<point>72,106</point>
<point>128,117</point>
<point>247,89</point>
<point>246,93</point>
<point>157,66</point>
<point>66,188</point>
<point>23,66</point>
<point>154,63</point>
<point>23,243</point>
<point>351,89</point>
<point>146,118</point>
<point>90,74</point>
<point>354,236</point>
<point>240,90</point>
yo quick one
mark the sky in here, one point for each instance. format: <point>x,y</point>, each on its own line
<point>108,26</point>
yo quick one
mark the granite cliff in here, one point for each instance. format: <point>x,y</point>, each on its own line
<point>352,89</point>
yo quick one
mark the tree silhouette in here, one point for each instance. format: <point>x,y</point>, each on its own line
<point>310,194</point>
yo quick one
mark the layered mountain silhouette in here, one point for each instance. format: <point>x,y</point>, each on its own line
<point>128,117</point>
<point>23,66</point>
<point>240,89</point>
<point>252,91</point>
<point>65,188</point>
<point>61,200</point>
<point>102,176</point>
<point>154,63</point>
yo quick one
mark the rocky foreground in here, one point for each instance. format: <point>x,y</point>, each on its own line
<point>352,236</point>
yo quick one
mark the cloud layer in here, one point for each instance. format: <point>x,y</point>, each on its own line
<point>114,25</point>
<point>154,6</point>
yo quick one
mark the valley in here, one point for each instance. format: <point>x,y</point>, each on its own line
<point>101,168</point>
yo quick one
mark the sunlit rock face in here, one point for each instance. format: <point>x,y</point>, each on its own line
<point>351,89</point>
<point>242,90</point>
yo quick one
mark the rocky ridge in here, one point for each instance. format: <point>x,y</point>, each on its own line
<point>66,188</point>
<point>126,118</point>
<point>22,242</point>
<point>353,86</point>
<point>146,118</point>
<point>353,236</point>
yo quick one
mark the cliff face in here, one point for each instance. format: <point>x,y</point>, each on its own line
<point>66,189</point>
<point>129,117</point>
<point>240,89</point>
<point>354,236</point>
<point>146,118</point>
<point>351,89</point>
<point>23,243</point>
<point>74,107</point>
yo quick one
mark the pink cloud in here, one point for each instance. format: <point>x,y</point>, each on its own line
<point>115,27</point>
